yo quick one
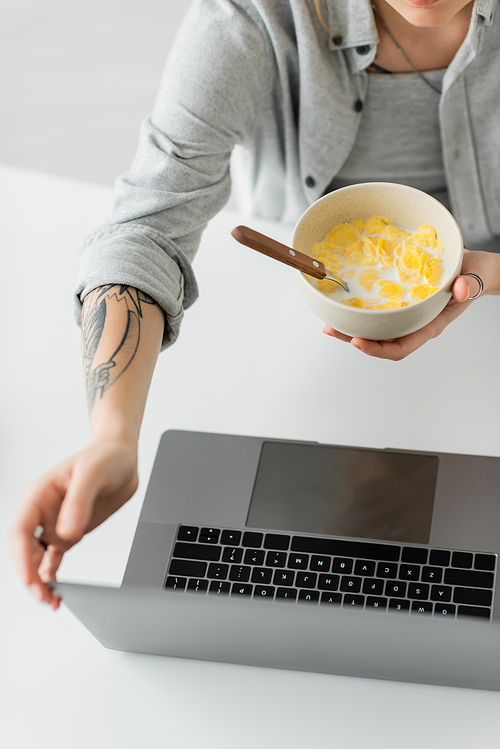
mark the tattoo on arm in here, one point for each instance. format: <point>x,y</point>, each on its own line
<point>104,361</point>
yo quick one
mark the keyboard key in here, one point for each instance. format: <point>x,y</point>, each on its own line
<point>399,606</point>
<point>308,596</point>
<point>276,559</point>
<point>344,566</point>
<point>232,554</point>
<point>250,538</point>
<point>254,556</point>
<point>421,607</point>
<point>440,593</point>
<point>239,573</point>
<point>230,538</point>
<point>462,559</point>
<point>474,596</point>
<point>175,583</point>
<point>283,577</point>
<point>265,592</point>
<point>444,609</point>
<point>342,548</point>
<point>197,586</point>
<point>219,588</point>
<point>439,557</point>
<point>409,572</point>
<point>298,561</point>
<point>276,541</point>
<point>474,611</point>
<point>306,579</point>
<point>286,594</point>
<point>469,578</point>
<point>320,564</point>
<point>209,535</point>
<point>354,601</point>
<point>350,584</point>
<point>243,590</point>
<point>387,570</point>
<point>395,588</point>
<point>373,586</point>
<point>209,539</point>
<point>187,567</point>
<point>332,599</point>
<point>218,571</point>
<point>414,555</point>
<point>187,533</point>
<point>432,574</point>
<point>328,582</point>
<point>379,604</point>
<point>197,551</point>
<point>419,591</point>
<point>485,562</point>
<point>364,568</point>
<point>261,575</point>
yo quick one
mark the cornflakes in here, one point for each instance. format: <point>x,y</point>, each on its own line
<point>403,267</point>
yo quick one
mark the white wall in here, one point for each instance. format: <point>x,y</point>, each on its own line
<point>77,77</point>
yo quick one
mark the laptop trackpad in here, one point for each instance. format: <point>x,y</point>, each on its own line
<point>344,492</point>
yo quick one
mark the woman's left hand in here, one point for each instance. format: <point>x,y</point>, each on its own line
<point>484,264</point>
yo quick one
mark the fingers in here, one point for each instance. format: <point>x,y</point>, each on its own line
<point>336,334</point>
<point>465,287</point>
<point>28,554</point>
<point>40,507</point>
<point>26,551</point>
<point>51,562</point>
<point>69,501</point>
<point>397,349</point>
<point>394,350</point>
<point>76,509</point>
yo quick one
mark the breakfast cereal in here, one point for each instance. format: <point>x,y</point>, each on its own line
<point>386,266</point>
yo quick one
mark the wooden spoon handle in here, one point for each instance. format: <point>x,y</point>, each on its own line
<point>278,251</point>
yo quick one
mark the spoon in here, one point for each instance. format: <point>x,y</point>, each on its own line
<point>284,254</point>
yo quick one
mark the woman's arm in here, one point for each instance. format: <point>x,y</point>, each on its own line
<point>484,264</point>
<point>122,330</point>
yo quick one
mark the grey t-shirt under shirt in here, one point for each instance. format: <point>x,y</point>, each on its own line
<point>399,137</point>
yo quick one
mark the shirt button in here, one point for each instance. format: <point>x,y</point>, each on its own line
<point>310,181</point>
<point>338,39</point>
<point>358,105</point>
<point>363,49</point>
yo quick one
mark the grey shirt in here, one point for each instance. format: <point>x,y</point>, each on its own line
<point>398,139</point>
<point>266,77</point>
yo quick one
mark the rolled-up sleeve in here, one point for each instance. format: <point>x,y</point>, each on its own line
<point>208,102</point>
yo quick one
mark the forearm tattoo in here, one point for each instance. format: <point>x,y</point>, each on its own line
<point>104,360</point>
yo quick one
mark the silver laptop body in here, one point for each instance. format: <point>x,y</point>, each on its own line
<point>375,563</point>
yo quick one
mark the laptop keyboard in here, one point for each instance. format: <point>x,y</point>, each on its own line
<point>327,571</point>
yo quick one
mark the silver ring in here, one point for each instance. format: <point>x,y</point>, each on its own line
<point>480,282</point>
<point>39,531</point>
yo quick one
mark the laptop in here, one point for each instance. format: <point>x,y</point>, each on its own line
<point>300,555</point>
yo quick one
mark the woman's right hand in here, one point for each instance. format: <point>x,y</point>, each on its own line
<point>69,501</point>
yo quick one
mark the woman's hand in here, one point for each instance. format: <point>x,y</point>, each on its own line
<point>69,501</point>
<point>485,264</point>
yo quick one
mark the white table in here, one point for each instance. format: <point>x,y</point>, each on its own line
<point>248,348</point>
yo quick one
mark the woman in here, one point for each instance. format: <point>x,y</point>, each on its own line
<point>315,95</point>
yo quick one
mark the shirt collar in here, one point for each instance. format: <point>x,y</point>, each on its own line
<point>485,8</point>
<point>353,24</point>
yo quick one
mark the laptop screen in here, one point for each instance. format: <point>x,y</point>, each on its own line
<point>344,491</point>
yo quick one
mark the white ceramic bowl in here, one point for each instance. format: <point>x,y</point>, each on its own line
<point>406,207</point>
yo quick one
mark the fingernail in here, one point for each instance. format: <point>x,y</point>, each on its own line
<point>35,590</point>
